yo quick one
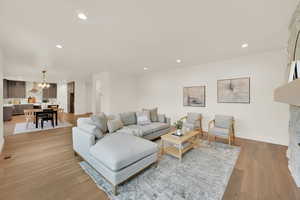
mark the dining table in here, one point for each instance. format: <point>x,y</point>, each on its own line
<point>39,112</point>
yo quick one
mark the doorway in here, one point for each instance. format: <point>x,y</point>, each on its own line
<point>71,97</point>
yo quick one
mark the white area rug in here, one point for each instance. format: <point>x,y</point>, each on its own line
<point>22,127</point>
<point>203,174</point>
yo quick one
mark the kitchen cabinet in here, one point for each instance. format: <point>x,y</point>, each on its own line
<point>19,108</point>
<point>14,89</point>
<point>5,89</point>
<point>51,92</point>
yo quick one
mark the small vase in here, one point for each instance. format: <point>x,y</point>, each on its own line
<point>178,132</point>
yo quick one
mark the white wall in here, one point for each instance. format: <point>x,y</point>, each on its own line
<point>113,93</point>
<point>263,119</point>
<point>1,102</point>
<point>124,94</point>
<point>62,96</point>
<point>81,97</point>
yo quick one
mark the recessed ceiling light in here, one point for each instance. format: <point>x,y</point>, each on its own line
<point>59,46</point>
<point>245,45</point>
<point>178,61</point>
<point>146,68</point>
<point>82,16</point>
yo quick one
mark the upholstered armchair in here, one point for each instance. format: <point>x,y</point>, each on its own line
<point>193,121</point>
<point>222,126</point>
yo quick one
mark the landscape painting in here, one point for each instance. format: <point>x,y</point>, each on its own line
<point>234,90</point>
<point>194,96</point>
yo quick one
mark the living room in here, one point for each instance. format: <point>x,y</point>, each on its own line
<point>157,100</point>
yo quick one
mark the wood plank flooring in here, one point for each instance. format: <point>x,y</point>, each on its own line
<point>42,166</point>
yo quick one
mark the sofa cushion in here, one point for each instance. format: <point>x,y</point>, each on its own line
<point>157,126</point>
<point>143,117</point>
<point>153,114</point>
<point>223,121</point>
<point>223,132</point>
<point>100,121</point>
<point>143,130</point>
<point>114,125</point>
<point>128,118</point>
<point>119,150</point>
<point>162,118</point>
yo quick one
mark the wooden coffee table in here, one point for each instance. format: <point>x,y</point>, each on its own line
<point>179,145</point>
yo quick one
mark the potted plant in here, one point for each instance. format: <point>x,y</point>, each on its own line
<point>178,126</point>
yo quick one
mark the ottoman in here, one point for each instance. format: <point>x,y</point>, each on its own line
<point>119,156</point>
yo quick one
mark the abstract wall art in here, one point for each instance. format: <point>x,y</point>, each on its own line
<point>194,96</point>
<point>234,90</point>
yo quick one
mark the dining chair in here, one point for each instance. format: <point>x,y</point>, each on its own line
<point>47,115</point>
<point>53,106</point>
<point>60,113</point>
<point>29,116</point>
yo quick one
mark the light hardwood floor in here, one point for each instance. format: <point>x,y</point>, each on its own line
<point>43,166</point>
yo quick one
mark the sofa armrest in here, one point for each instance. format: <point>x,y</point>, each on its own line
<point>82,141</point>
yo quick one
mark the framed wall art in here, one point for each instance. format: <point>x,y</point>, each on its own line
<point>194,96</point>
<point>234,90</point>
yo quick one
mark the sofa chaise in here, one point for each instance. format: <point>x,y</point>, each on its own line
<point>121,153</point>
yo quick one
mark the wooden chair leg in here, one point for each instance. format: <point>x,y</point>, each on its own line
<point>229,140</point>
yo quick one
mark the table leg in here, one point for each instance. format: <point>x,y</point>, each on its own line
<point>56,118</point>
<point>36,121</point>
<point>162,147</point>
<point>180,153</point>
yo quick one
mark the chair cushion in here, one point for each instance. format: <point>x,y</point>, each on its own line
<point>192,117</point>
<point>223,121</point>
<point>114,125</point>
<point>223,132</point>
<point>128,118</point>
<point>191,126</point>
<point>119,150</point>
<point>100,121</point>
<point>153,114</point>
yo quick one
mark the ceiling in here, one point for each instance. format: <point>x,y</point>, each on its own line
<point>126,36</point>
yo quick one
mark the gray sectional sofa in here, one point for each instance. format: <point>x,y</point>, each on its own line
<point>118,147</point>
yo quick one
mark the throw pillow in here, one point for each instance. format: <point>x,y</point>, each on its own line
<point>143,117</point>
<point>128,118</point>
<point>92,129</point>
<point>162,118</point>
<point>114,125</point>
<point>153,114</point>
<point>100,121</point>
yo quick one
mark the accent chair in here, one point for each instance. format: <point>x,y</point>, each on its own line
<point>193,121</point>
<point>222,126</point>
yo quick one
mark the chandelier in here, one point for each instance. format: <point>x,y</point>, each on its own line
<point>44,84</point>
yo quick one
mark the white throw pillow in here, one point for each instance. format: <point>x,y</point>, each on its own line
<point>143,117</point>
<point>91,129</point>
<point>114,125</point>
